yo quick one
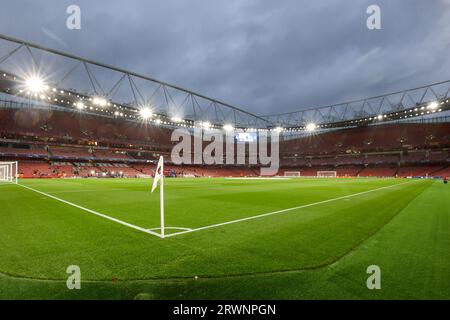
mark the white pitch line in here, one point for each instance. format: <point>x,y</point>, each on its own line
<point>284,210</point>
<point>93,212</point>
<point>84,191</point>
<point>170,228</point>
<point>257,178</point>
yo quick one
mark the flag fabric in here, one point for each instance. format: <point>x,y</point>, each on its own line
<point>158,173</point>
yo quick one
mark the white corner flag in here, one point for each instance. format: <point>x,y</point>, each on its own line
<point>159,175</point>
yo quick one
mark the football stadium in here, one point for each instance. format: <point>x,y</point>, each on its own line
<point>93,204</point>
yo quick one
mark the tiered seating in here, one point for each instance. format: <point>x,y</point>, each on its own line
<point>378,172</point>
<point>71,127</point>
<point>415,171</point>
<point>328,161</point>
<point>36,169</point>
<point>145,169</point>
<point>414,157</point>
<point>70,153</point>
<point>26,152</point>
<point>354,159</point>
<point>410,149</point>
<point>109,154</point>
<point>439,156</point>
<point>445,172</point>
<point>348,172</point>
<point>374,138</point>
<point>381,159</point>
<point>84,169</point>
<point>123,169</point>
<point>63,168</point>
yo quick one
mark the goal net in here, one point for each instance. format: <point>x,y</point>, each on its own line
<point>292,173</point>
<point>8,172</point>
<point>326,174</point>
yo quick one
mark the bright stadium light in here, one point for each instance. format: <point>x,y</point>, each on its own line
<point>311,126</point>
<point>177,119</point>
<point>35,84</point>
<point>278,129</point>
<point>228,127</point>
<point>146,113</point>
<point>433,105</point>
<point>206,124</point>
<point>99,101</point>
<point>79,105</point>
<point>380,117</point>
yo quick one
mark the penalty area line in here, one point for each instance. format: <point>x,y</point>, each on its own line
<point>94,212</point>
<point>285,210</point>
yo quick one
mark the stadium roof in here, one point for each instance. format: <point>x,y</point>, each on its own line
<point>38,73</point>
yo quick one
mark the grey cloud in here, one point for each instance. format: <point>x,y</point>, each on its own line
<point>263,56</point>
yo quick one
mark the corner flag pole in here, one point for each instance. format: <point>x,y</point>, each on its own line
<point>161,195</point>
<point>159,176</point>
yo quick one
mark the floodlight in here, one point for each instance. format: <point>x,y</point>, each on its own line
<point>205,124</point>
<point>311,127</point>
<point>177,119</point>
<point>228,127</point>
<point>146,113</point>
<point>380,117</point>
<point>278,129</point>
<point>80,105</point>
<point>35,84</point>
<point>433,105</point>
<point>99,101</point>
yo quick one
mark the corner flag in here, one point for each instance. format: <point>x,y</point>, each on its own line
<point>159,175</point>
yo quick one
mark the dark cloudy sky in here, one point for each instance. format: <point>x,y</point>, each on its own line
<point>264,56</point>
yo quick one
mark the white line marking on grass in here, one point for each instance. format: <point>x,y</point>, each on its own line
<point>87,190</point>
<point>171,228</point>
<point>93,212</point>
<point>257,178</point>
<point>284,210</point>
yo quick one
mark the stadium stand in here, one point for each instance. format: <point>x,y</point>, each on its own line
<point>70,145</point>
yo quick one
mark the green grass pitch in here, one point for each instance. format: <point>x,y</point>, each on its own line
<point>319,248</point>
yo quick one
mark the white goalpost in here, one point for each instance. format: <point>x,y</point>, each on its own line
<point>292,173</point>
<point>326,174</point>
<point>8,171</point>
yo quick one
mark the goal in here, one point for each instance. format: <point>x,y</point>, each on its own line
<point>326,174</point>
<point>8,172</point>
<point>292,173</point>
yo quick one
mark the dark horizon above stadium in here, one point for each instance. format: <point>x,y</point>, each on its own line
<point>263,57</point>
